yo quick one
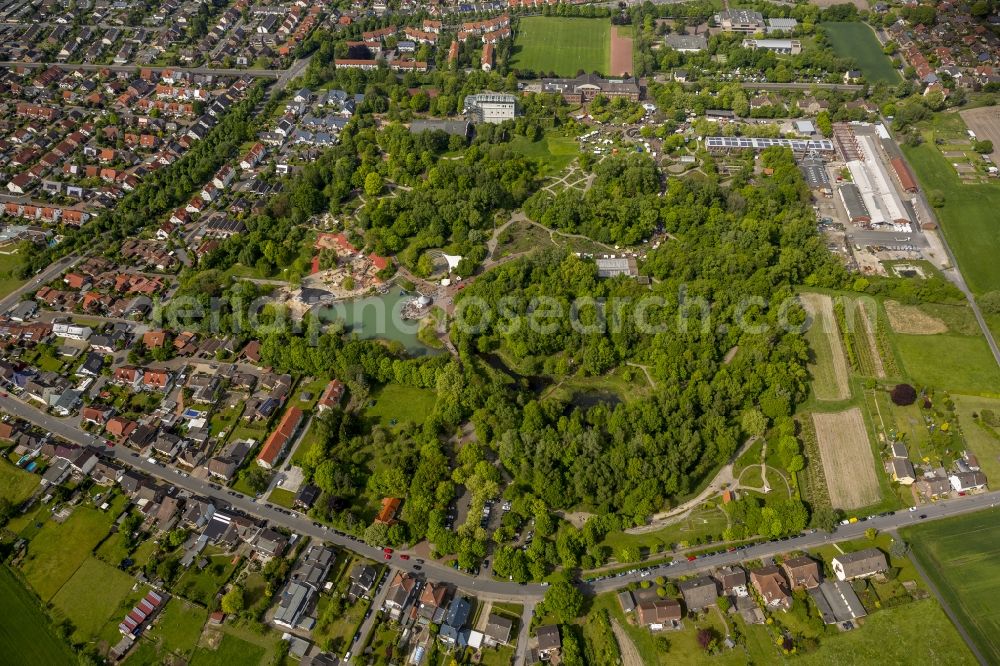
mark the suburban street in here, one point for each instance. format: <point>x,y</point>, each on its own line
<point>487,588</point>
<point>56,269</point>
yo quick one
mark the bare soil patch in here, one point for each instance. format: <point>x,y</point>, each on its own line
<point>621,51</point>
<point>630,654</point>
<point>985,122</point>
<point>847,459</point>
<point>911,320</point>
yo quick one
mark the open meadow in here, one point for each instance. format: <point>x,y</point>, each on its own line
<point>915,633</point>
<point>58,550</point>
<point>968,217</point>
<point>25,636</point>
<point>16,485</point>
<point>960,556</point>
<point>847,459</point>
<point>562,45</point>
<point>858,41</point>
<point>982,438</point>
<point>91,598</point>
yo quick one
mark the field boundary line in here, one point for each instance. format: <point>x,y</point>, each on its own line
<point>915,559</point>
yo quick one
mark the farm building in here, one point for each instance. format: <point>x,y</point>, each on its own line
<point>906,180</point>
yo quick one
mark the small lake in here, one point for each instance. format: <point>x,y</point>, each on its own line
<point>379,317</point>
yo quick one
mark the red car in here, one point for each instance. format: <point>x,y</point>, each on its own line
<point>404,557</point>
<point>692,558</point>
<point>388,556</point>
<point>387,551</point>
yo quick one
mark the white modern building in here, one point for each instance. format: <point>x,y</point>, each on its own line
<point>491,107</point>
<point>72,331</point>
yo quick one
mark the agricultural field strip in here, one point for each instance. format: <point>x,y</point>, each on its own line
<point>847,459</point>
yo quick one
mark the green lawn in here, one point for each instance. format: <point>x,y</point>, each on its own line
<point>8,264</point>
<point>916,633</point>
<point>202,585</point>
<point>701,523</point>
<point>57,551</point>
<point>175,631</point>
<point>16,484</point>
<point>682,646</point>
<point>562,45</point>
<point>960,364</point>
<point>960,556</point>
<point>231,650</point>
<point>968,217</point>
<point>553,151</point>
<point>394,402</point>
<point>282,497</point>
<point>91,598</point>
<point>858,41</point>
<point>25,636</point>
<point>983,440</point>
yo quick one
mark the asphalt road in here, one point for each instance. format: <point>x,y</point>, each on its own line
<point>14,297</point>
<point>89,67</point>
<point>484,587</point>
<point>935,511</point>
<point>296,522</point>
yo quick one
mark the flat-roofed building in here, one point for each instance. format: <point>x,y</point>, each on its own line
<point>491,107</point>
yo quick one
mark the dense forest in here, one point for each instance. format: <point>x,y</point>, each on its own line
<point>734,255</point>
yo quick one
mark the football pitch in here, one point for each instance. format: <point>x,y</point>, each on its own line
<point>562,45</point>
<point>960,555</point>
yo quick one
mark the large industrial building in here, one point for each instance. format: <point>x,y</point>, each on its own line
<point>870,197</point>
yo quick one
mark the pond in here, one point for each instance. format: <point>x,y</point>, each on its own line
<point>379,317</point>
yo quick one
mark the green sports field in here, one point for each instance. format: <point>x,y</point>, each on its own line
<point>25,637</point>
<point>562,45</point>
<point>960,555</point>
<point>856,40</point>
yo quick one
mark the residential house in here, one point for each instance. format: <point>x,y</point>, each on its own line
<point>332,395</point>
<point>390,507</point>
<point>400,593</point>
<point>659,614</point>
<point>549,642</point>
<point>157,380</point>
<point>363,578</point>
<point>498,630</point>
<point>432,600</point>
<point>967,481</point>
<point>699,593</point>
<point>732,580</point>
<point>453,630</point>
<point>306,496</point>
<point>860,564</point>
<point>772,587</point>
<point>902,471</point>
<point>802,572</point>
<point>280,438</point>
